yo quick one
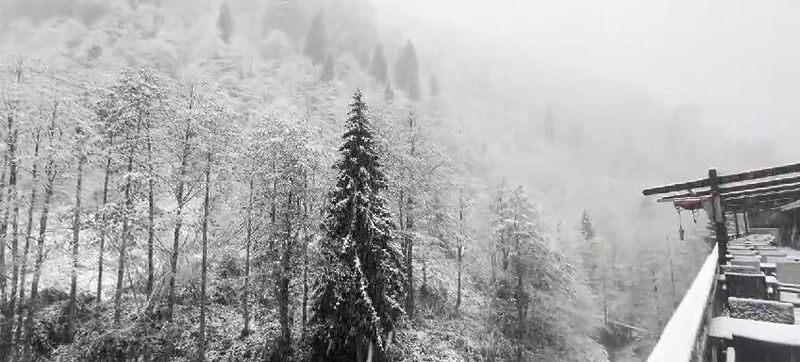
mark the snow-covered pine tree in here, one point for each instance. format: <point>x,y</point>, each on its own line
<point>358,298</point>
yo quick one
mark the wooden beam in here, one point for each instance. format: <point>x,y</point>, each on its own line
<point>746,205</point>
<point>765,172</point>
<point>790,187</point>
<point>765,196</point>
<point>735,188</point>
<point>677,187</point>
<point>737,177</point>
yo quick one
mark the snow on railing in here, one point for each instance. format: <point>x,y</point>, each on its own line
<point>684,329</point>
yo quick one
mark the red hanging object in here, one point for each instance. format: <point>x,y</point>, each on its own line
<point>689,204</point>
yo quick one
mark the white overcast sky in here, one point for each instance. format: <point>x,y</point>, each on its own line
<point>738,59</point>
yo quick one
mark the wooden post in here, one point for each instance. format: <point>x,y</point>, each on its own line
<point>736,222</point>
<point>746,223</point>
<point>719,216</point>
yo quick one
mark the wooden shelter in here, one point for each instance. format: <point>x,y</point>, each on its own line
<point>738,193</point>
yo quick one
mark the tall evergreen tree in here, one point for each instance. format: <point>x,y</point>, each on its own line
<point>316,40</point>
<point>358,298</point>
<point>378,68</point>
<point>225,22</point>
<point>406,71</point>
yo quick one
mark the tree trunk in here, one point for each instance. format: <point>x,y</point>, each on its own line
<point>10,160</point>
<point>284,280</point>
<point>124,240</point>
<point>458,290</point>
<point>306,240</point>
<point>305,285</point>
<point>521,298</point>
<point>50,171</point>
<point>359,352</point>
<point>424,272</point>
<point>103,232</point>
<point>150,217</point>
<point>8,310</point>
<point>204,264</point>
<point>248,241</point>
<point>410,227</point>
<point>28,231</point>
<point>460,247</point>
<point>76,230</point>
<point>176,234</point>
<point>410,260</point>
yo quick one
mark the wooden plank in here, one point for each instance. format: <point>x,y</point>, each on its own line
<point>758,205</point>
<point>726,179</point>
<point>789,187</point>
<point>791,206</point>
<point>677,187</point>
<point>765,196</point>
<point>735,188</point>
<point>765,172</point>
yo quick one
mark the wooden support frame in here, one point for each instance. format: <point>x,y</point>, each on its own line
<point>726,179</point>
<point>735,188</point>
<point>721,230</point>
<point>784,188</point>
<point>737,198</point>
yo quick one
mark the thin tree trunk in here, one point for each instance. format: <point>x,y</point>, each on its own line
<point>204,263</point>
<point>424,272</point>
<point>656,298</point>
<point>76,230</point>
<point>50,174</point>
<point>460,247</point>
<point>126,235</point>
<point>306,240</point>
<point>50,171</point>
<point>101,252</point>
<point>521,296</point>
<point>28,231</point>
<point>176,235</point>
<point>458,290</point>
<point>671,274</point>
<point>305,285</point>
<point>410,262</point>
<point>410,227</point>
<point>358,343</point>
<point>8,310</point>
<point>150,216</point>
<point>248,241</point>
<point>9,159</point>
<point>283,282</point>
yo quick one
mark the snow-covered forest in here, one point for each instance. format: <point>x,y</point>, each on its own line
<point>318,180</point>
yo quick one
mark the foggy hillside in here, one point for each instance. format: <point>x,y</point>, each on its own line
<point>480,138</point>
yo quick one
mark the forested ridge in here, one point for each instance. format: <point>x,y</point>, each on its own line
<point>281,180</point>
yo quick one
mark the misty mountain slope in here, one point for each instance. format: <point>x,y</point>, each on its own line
<point>487,119</point>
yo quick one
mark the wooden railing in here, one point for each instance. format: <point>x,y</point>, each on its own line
<point>684,337</point>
